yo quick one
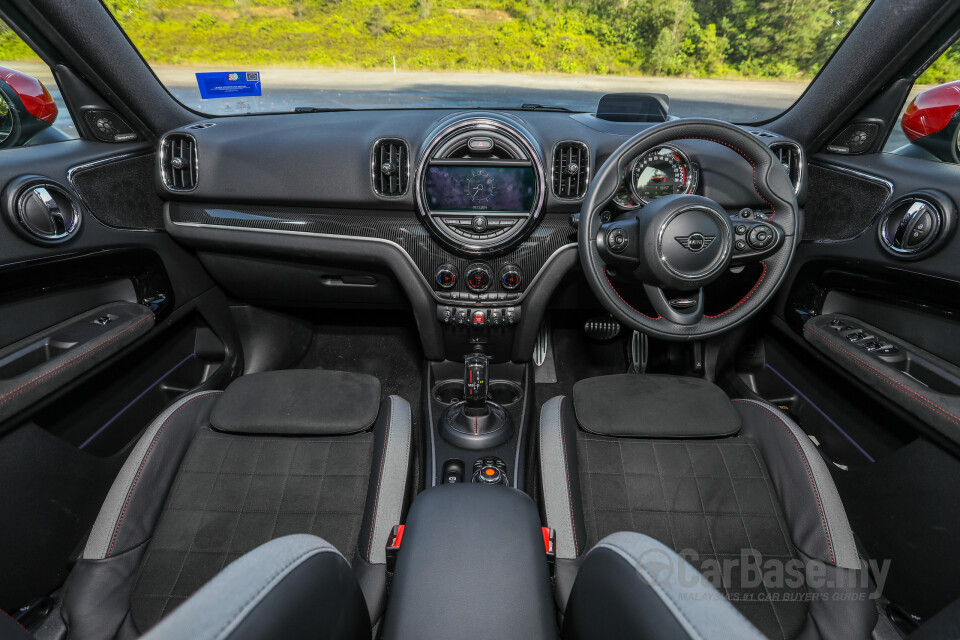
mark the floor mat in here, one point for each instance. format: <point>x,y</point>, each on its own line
<point>577,357</point>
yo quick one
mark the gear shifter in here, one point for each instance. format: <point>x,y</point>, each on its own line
<point>476,422</point>
<point>475,384</point>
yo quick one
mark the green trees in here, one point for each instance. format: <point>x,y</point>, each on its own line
<point>377,23</point>
<point>780,38</point>
<point>783,39</point>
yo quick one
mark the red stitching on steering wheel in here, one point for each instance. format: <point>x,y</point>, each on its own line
<point>749,293</point>
<point>607,276</point>
<point>773,211</point>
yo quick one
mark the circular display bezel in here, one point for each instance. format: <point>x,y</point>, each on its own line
<point>688,185</point>
<point>522,143</point>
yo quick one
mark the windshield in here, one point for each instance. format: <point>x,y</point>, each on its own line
<point>738,60</point>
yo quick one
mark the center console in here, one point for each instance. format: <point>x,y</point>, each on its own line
<point>472,563</point>
<point>477,413</point>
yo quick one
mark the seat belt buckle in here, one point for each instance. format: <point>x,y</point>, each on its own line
<point>550,546</point>
<point>393,545</point>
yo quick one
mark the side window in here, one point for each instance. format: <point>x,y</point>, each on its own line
<point>31,109</point>
<point>929,125</point>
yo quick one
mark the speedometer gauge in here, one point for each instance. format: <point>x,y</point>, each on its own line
<point>661,172</point>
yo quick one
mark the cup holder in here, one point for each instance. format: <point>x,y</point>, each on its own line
<point>503,392</point>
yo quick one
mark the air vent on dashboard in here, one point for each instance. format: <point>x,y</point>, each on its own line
<point>391,167</point>
<point>42,211</point>
<point>914,224</point>
<point>791,157</point>
<point>178,162</point>
<point>571,170</point>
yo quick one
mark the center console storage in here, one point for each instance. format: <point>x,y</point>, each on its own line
<point>471,564</point>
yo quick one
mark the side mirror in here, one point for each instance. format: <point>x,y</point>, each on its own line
<point>932,121</point>
<point>26,108</point>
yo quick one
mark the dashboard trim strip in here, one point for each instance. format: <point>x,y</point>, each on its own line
<point>500,303</point>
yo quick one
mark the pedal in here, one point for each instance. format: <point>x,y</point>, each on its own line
<point>544,369</point>
<point>639,352</point>
<point>602,328</point>
<point>542,346</point>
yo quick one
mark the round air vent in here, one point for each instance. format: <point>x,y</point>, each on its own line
<point>41,210</point>
<point>914,224</point>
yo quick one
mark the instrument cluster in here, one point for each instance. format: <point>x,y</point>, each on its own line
<point>662,171</point>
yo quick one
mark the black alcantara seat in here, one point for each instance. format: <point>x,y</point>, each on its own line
<point>218,474</point>
<point>735,487</point>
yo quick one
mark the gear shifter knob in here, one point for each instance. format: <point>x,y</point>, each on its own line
<point>475,381</point>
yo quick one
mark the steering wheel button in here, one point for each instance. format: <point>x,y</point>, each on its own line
<point>760,236</point>
<point>617,240</point>
<point>740,245</point>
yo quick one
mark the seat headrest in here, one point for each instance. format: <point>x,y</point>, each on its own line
<point>307,402</point>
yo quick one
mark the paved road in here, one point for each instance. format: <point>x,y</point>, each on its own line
<point>285,89</point>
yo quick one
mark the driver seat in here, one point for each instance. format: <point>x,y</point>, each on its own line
<point>735,487</point>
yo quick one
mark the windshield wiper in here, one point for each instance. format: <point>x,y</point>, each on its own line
<point>527,106</point>
<point>320,109</point>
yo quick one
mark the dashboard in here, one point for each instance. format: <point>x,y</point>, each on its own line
<point>469,211</point>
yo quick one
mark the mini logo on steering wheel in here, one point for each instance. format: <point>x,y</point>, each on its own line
<point>695,241</point>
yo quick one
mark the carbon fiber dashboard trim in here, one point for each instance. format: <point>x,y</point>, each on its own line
<point>553,233</point>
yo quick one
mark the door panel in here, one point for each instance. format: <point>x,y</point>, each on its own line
<point>886,421</point>
<point>75,415</point>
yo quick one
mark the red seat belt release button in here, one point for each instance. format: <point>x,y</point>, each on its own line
<point>549,542</point>
<point>393,545</point>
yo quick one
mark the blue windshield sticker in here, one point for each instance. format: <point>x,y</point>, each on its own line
<point>229,84</point>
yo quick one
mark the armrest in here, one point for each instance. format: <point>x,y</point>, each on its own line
<point>920,382</point>
<point>472,564</point>
<point>42,363</point>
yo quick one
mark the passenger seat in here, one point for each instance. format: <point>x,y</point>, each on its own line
<point>219,474</point>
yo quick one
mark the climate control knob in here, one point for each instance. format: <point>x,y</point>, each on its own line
<point>510,277</point>
<point>446,276</point>
<point>479,277</point>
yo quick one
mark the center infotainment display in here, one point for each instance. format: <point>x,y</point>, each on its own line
<point>473,188</point>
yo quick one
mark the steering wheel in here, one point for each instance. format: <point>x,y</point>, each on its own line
<point>677,244</point>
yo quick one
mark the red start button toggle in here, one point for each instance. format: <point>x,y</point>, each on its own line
<point>479,317</point>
